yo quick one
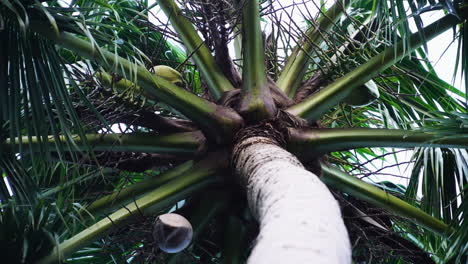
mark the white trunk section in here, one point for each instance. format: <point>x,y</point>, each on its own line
<point>300,220</point>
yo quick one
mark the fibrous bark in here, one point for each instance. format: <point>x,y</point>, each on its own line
<point>300,220</point>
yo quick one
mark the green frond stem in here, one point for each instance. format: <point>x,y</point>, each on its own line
<point>216,80</point>
<point>313,107</point>
<point>124,86</point>
<point>126,90</point>
<point>219,122</point>
<point>103,172</point>
<point>298,62</point>
<point>310,143</point>
<point>187,144</point>
<point>234,242</point>
<point>211,202</point>
<point>256,103</point>
<point>200,176</point>
<point>341,181</point>
<point>129,193</point>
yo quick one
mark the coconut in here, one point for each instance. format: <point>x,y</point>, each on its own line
<point>172,233</point>
<point>168,74</point>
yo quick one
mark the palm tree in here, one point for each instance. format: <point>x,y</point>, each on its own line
<point>95,141</point>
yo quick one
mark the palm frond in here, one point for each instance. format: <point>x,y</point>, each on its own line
<point>438,185</point>
<point>35,97</point>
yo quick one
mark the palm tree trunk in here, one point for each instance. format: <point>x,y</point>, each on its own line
<point>300,221</point>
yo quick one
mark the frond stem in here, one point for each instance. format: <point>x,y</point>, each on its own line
<point>217,121</point>
<point>310,143</point>
<point>316,105</point>
<point>341,181</point>
<point>216,80</point>
<point>186,144</point>
<point>296,66</point>
<point>200,176</point>
<point>257,102</point>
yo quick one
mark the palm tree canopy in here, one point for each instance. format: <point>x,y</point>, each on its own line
<point>92,132</point>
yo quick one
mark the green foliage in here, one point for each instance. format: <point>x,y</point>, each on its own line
<point>26,232</point>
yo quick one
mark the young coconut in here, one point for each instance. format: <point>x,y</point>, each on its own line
<point>169,74</point>
<point>363,95</point>
<point>172,233</point>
